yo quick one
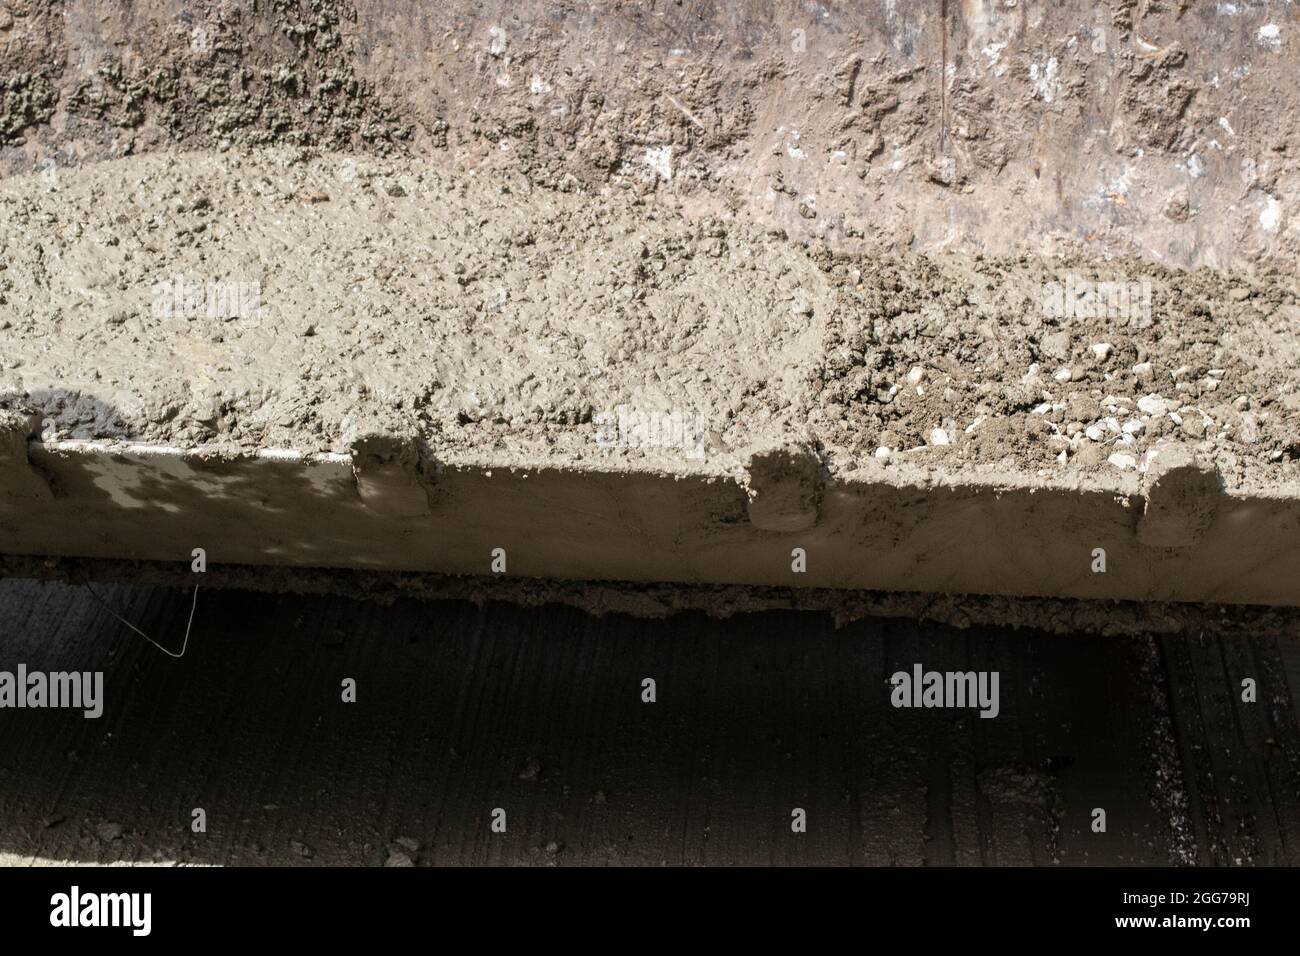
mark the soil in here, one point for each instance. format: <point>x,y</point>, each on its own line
<point>1166,131</point>
<point>293,300</point>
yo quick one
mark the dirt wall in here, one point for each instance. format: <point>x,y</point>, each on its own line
<point>1164,129</point>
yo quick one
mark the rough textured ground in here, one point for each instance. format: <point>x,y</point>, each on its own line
<point>280,300</point>
<point>1165,129</point>
<point>461,710</point>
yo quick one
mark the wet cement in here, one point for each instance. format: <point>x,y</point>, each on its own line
<point>280,299</point>
<point>456,346</point>
<point>463,709</point>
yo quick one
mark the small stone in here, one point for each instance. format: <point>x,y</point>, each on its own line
<point>1142,369</point>
<point>1123,461</point>
<point>1094,432</point>
<point>302,849</point>
<point>939,437</point>
<point>915,375</point>
<point>883,453</point>
<point>1063,374</point>
<point>942,170</point>
<point>1056,345</point>
<point>1102,350</point>
<point>1249,431</point>
<point>1152,405</point>
<point>1132,426</point>
<point>398,858</point>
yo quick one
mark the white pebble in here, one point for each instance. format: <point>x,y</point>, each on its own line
<point>938,436</point>
<point>1094,432</point>
<point>1102,350</point>
<point>1122,461</point>
<point>1133,426</point>
<point>883,452</point>
<point>1142,369</point>
<point>1062,374</point>
<point>1152,405</point>
<point>916,374</point>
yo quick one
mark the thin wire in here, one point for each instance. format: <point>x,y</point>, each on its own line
<point>188,626</point>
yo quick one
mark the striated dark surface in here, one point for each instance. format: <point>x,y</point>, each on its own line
<point>463,709</point>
